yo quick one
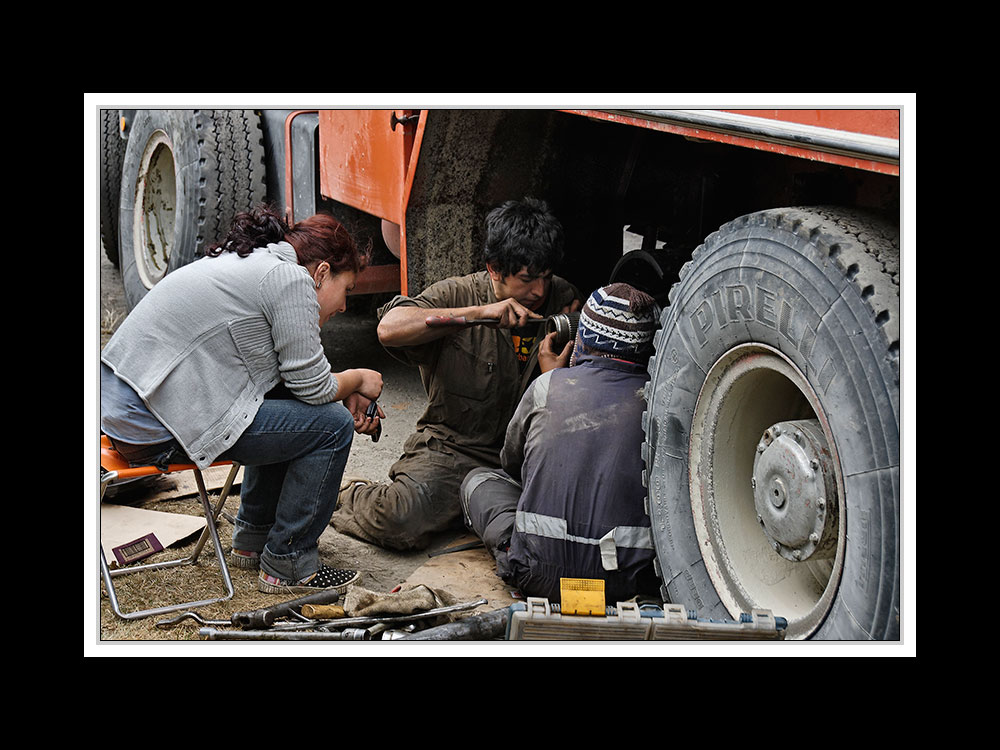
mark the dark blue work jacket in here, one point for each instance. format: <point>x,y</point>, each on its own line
<point>574,443</point>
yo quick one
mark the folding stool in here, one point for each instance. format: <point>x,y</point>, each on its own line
<point>114,466</point>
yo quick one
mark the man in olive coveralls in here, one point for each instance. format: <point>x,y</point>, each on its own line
<point>474,375</point>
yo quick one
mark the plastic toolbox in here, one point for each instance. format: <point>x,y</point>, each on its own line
<point>538,620</point>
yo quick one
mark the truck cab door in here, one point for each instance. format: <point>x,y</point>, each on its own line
<point>364,158</point>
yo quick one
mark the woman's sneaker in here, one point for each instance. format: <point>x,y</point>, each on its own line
<point>325,578</point>
<point>244,559</point>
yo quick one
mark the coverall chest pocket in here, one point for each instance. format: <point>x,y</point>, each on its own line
<point>468,366</point>
<point>470,380</point>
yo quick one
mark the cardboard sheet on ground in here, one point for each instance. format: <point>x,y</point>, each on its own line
<point>122,524</point>
<point>182,483</point>
<point>466,575</point>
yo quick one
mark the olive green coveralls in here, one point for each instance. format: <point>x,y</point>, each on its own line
<point>473,382</point>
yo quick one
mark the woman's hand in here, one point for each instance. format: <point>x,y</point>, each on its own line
<point>358,405</point>
<point>357,388</point>
<point>548,358</point>
<point>366,382</point>
<point>371,384</point>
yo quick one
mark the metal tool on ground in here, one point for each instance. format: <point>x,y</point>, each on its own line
<point>395,619</point>
<point>177,619</point>
<point>456,548</point>
<point>397,634</point>
<point>367,622</point>
<point>482,627</point>
<point>364,628</point>
<point>260,618</point>
<point>351,634</point>
<point>268,616</point>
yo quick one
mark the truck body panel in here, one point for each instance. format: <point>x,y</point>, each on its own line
<point>430,172</point>
<point>363,159</point>
<point>860,139</point>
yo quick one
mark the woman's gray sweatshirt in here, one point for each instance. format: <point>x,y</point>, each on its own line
<point>208,341</point>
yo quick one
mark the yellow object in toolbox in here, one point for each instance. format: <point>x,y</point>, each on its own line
<point>582,596</point>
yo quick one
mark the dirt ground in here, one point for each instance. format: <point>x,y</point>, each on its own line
<point>350,341</point>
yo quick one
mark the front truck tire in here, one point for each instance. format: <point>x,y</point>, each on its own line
<point>186,174</point>
<point>772,425</point>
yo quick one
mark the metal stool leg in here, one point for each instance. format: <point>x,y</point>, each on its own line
<point>211,531</point>
<point>223,496</point>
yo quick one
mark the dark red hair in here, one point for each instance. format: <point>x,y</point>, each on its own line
<point>316,239</point>
<point>322,238</point>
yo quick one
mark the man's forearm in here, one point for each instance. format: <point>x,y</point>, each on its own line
<point>407,326</point>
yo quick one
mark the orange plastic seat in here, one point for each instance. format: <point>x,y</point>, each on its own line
<point>114,467</point>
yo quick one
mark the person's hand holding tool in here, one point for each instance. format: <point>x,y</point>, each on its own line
<point>367,415</point>
<point>507,313</point>
<point>549,358</point>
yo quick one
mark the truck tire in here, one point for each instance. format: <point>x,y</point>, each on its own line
<point>772,425</point>
<point>186,174</point>
<point>112,156</point>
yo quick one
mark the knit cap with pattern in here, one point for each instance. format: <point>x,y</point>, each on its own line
<point>617,321</point>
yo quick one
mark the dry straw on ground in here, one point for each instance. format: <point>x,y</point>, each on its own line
<point>202,580</point>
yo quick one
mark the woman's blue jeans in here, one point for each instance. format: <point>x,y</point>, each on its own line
<point>294,455</point>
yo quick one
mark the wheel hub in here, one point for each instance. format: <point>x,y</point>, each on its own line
<point>752,512</point>
<point>793,483</point>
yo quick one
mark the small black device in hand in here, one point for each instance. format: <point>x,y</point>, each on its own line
<point>371,412</point>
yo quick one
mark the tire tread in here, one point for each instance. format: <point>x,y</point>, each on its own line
<point>862,246</point>
<point>112,158</point>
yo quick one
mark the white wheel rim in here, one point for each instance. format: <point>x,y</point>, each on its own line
<point>747,390</point>
<point>155,209</point>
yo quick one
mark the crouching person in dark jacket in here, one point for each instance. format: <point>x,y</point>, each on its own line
<point>569,501</point>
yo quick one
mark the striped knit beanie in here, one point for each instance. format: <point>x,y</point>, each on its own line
<point>618,321</point>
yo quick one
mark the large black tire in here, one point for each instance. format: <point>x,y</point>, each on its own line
<point>186,174</point>
<point>112,156</point>
<point>772,428</point>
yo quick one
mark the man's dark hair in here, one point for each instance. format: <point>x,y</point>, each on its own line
<point>523,234</point>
